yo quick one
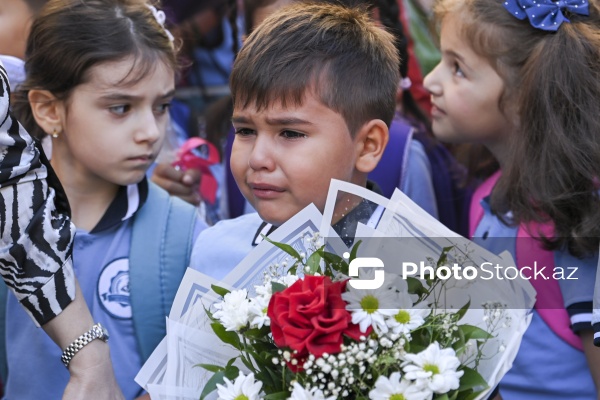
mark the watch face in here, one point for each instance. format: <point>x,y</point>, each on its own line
<point>105,334</point>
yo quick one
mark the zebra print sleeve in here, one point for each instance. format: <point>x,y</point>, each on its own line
<point>36,233</point>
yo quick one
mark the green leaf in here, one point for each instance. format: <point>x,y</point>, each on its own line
<point>272,379</point>
<point>471,396</point>
<point>211,367</point>
<point>277,396</point>
<point>228,337</point>
<point>461,313</point>
<point>474,332</point>
<point>258,334</point>
<point>442,397</point>
<point>354,250</point>
<point>277,287</point>
<point>219,290</point>
<point>443,256</point>
<point>211,385</point>
<point>313,263</point>
<point>334,261</point>
<point>232,372</point>
<point>415,286</point>
<point>471,379</point>
<point>460,343</point>
<point>230,362</point>
<point>285,247</point>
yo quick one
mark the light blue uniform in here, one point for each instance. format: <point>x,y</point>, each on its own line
<point>546,367</point>
<point>102,269</point>
<point>221,247</point>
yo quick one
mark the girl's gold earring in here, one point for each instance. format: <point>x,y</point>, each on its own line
<point>54,133</point>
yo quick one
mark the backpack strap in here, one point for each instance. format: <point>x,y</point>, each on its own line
<point>529,252</point>
<point>391,169</point>
<point>161,245</point>
<point>549,301</point>
<point>476,211</point>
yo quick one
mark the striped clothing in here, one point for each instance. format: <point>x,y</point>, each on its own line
<point>35,228</point>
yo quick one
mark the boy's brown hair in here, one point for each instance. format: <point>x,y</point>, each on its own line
<point>339,53</point>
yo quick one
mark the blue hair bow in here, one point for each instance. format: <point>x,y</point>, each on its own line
<point>546,14</point>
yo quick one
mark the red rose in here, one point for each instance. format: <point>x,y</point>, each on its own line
<point>310,317</point>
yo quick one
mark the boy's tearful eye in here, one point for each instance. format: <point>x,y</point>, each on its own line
<point>293,135</point>
<point>244,132</point>
<point>162,108</point>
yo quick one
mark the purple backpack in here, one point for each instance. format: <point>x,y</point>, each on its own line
<point>452,198</point>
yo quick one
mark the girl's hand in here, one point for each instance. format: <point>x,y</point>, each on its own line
<point>183,184</point>
<point>92,375</point>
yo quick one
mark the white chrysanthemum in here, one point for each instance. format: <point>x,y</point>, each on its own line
<point>264,290</point>
<point>242,388</point>
<point>433,368</point>
<point>234,311</point>
<point>395,388</point>
<point>370,307</point>
<point>407,317</point>
<point>258,312</point>
<point>299,393</point>
<point>398,284</point>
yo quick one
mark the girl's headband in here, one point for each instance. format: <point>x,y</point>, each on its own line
<point>546,15</point>
<point>160,17</point>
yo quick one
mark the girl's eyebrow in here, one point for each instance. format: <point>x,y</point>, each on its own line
<point>128,97</point>
<point>454,54</point>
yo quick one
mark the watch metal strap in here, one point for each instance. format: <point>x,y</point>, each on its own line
<point>96,332</point>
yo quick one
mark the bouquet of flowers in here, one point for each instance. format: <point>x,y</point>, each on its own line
<point>309,334</point>
<point>292,321</point>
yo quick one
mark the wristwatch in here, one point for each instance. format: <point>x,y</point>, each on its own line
<point>96,332</point>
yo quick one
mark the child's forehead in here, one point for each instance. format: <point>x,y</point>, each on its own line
<point>125,72</point>
<point>280,101</point>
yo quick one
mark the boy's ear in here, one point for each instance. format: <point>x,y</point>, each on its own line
<point>371,138</point>
<point>47,110</point>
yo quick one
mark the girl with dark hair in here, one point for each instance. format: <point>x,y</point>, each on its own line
<point>38,268</point>
<point>100,75</point>
<point>521,78</point>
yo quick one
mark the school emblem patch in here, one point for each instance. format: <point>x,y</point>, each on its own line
<point>113,289</point>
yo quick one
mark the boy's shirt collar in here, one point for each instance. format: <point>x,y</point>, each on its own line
<point>346,227</point>
<point>128,200</point>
